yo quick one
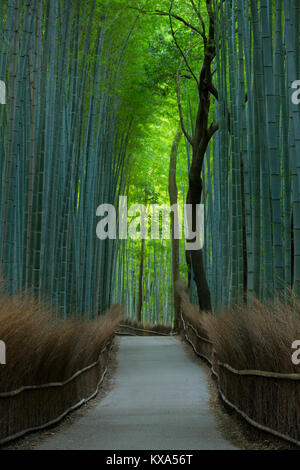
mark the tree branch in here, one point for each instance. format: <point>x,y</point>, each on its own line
<point>187,136</point>
<point>212,129</point>
<point>196,10</point>
<point>213,90</point>
<point>178,46</point>
<point>182,20</point>
<point>165,13</point>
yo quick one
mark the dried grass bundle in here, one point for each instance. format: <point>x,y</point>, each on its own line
<point>41,349</point>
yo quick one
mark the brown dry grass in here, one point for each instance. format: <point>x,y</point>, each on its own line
<point>254,336</point>
<point>200,320</point>
<point>42,350</point>
<point>258,336</point>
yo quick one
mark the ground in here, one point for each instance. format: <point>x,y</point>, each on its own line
<point>157,396</point>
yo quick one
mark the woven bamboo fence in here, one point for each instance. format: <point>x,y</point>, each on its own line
<point>267,400</point>
<point>33,408</point>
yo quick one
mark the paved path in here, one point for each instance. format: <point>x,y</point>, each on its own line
<point>159,402</point>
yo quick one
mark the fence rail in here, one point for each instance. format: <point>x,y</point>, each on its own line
<point>35,407</point>
<point>266,400</point>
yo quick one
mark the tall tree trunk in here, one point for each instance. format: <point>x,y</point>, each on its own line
<point>196,256</point>
<point>173,193</point>
<point>245,260</point>
<point>140,303</point>
<point>199,142</point>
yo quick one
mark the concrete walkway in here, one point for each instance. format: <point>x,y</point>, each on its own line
<point>159,402</point>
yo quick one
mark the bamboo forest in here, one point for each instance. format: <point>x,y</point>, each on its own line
<point>150,227</point>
